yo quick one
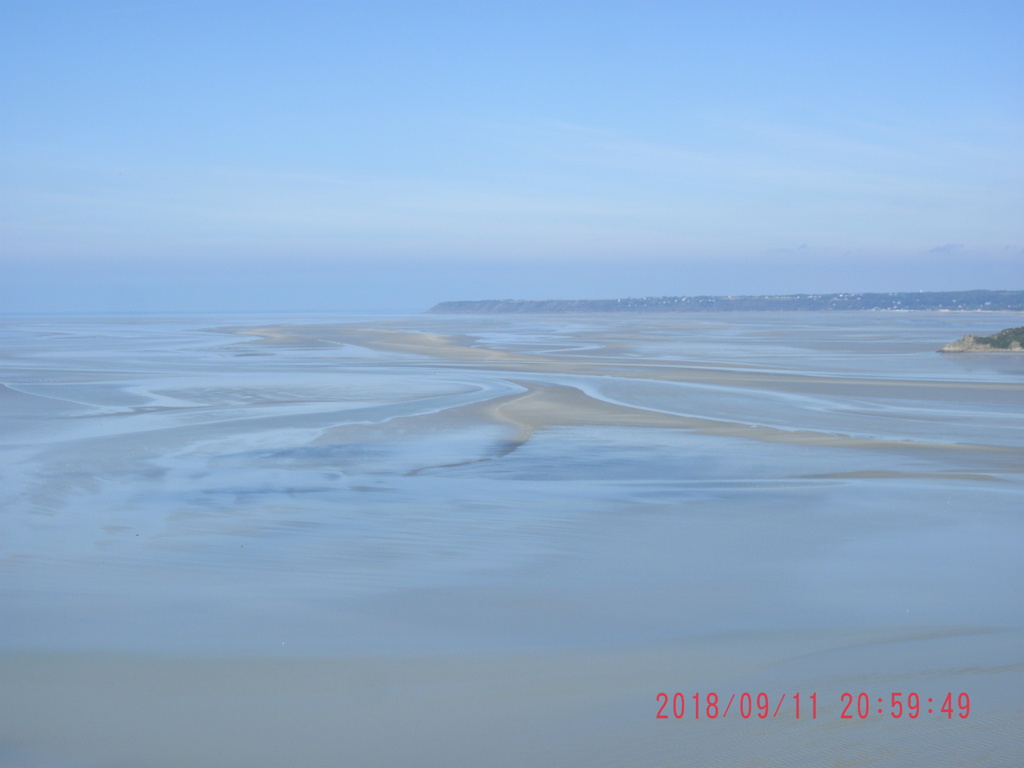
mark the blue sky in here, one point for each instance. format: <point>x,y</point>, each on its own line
<point>178,156</point>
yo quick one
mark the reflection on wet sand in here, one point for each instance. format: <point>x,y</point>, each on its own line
<point>493,541</point>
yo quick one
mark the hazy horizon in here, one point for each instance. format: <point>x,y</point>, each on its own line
<point>365,287</point>
<point>196,157</point>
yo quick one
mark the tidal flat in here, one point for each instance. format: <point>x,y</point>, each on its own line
<point>442,540</point>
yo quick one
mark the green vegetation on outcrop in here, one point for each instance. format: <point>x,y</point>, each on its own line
<point>1004,339</point>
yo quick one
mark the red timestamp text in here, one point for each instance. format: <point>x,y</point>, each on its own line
<point>851,706</point>
<point>747,705</point>
<point>910,705</point>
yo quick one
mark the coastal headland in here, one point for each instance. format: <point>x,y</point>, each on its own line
<point>950,301</point>
<point>1008,340</point>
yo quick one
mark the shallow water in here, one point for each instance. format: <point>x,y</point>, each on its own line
<point>169,486</point>
<point>167,469</point>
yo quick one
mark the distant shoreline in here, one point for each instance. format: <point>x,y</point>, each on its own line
<point>950,301</point>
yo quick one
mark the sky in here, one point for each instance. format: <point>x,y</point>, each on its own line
<point>385,156</point>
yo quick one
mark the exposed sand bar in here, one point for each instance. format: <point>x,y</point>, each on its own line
<point>545,406</point>
<point>463,349</point>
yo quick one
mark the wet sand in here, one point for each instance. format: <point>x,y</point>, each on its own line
<point>448,542</point>
<point>589,708</point>
<point>542,406</point>
<point>546,406</point>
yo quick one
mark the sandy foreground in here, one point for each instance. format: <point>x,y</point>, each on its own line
<point>792,570</point>
<point>594,708</point>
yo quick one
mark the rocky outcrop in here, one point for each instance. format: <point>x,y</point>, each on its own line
<point>1008,340</point>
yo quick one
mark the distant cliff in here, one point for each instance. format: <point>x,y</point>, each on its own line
<point>992,301</point>
<point>1009,340</point>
